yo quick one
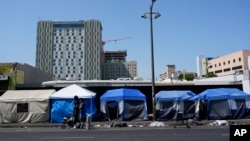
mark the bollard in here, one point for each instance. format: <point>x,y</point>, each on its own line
<point>88,122</point>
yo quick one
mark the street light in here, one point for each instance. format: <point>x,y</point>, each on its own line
<point>157,15</point>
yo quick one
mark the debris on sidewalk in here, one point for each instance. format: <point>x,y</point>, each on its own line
<point>157,124</point>
<point>219,123</point>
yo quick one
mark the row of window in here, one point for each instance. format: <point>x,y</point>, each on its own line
<point>60,72</point>
<point>68,30</point>
<point>72,60</point>
<point>67,49</point>
<point>68,34</point>
<point>68,41</point>
<point>67,64</point>
<point>69,75</point>
<point>229,69</point>
<point>224,63</point>
<point>70,52</point>
<point>69,67</point>
<point>67,45</point>
<point>69,37</point>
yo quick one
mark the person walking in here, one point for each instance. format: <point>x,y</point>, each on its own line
<point>75,111</point>
<point>82,112</point>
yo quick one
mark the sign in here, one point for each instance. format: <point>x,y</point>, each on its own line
<point>3,77</point>
<point>239,132</point>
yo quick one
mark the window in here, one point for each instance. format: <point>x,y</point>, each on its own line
<point>227,69</point>
<point>22,107</point>
<point>239,59</point>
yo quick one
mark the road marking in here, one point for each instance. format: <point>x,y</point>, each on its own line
<point>49,138</point>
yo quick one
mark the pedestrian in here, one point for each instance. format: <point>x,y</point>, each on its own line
<point>75,111</point>
<point>82,112</point>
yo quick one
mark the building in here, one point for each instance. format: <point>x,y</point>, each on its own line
<point>115,66</point>
<point>70,49</point>
<point>202,66</point>
<point>19,76</point>
<point>229,64</point>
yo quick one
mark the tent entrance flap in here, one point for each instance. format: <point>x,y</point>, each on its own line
<point>239,110</point>
<point>217,109</point>
<point>112,109</point>
<point>133,109</point>
<point>188,110</point>
<point>166,111</point>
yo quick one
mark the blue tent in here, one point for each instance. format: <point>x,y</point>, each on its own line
<point>223,103</point>
<point>124,104</point>
<point>174,105</point>
<point>62,102</point>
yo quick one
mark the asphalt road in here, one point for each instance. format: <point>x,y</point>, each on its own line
<point>182,133</point>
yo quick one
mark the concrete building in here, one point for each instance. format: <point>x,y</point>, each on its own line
<point>19,76</point>
<point>202,66</point>
<point>229,64</point>
<point>115,66</point>
<point>70,49</point>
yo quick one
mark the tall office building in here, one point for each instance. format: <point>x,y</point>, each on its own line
<point>115,66</point>
<point>70,49</point>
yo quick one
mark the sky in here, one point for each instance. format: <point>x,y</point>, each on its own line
<point>186,29</point>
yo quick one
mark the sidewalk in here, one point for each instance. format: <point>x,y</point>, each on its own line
<point>148,123</point>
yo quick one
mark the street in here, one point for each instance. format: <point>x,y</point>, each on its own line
<point>114,134</point>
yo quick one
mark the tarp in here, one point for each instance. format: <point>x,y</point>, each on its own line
<point>124,104</point>
<point>25,106</point>
<point>174,105</point>
<point>223,103</point>
<point>62,102</point>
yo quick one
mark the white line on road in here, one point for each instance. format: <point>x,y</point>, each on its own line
<point>49,138</point>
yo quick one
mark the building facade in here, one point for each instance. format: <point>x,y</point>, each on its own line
<point>19,76</point>
<point>202,66</point>
<point>70,49</point>
<point>115,66</point>
<point>229,64</point>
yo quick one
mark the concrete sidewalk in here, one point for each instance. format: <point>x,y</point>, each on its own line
<point>137,123</point>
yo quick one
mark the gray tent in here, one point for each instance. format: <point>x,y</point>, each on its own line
<point>25,106</point>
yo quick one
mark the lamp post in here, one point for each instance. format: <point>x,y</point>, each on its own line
<point>157,15</point>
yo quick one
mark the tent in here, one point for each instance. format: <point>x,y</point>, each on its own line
<point>124,104</point>
<point>223,103</point>
<point>62,102</point>
<point>25,106</point>
<point>174,105</point>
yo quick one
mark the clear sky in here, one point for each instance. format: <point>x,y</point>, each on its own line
<point>186,28</point>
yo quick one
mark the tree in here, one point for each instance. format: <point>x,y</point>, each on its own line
<point>188,77</point>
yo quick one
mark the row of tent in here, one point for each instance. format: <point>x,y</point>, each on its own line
<point>31,106</point>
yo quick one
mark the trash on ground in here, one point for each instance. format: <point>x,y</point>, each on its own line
<point>219,123</point>
<point>157,124</point>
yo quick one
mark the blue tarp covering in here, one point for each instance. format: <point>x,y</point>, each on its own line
<point>64,108</point>
<point>223,103</point>
<point>174,95</point>
<point>62,102</point>
<point>124,104</point>
<point>174,105</point>
<point>123,93</point>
